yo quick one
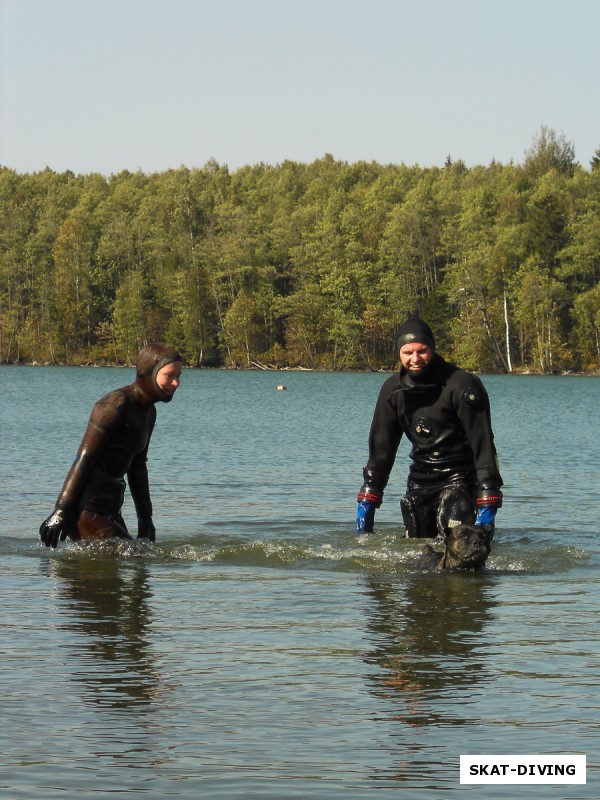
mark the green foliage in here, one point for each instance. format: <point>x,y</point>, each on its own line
<point>306,265</point>
<point>549,151</point>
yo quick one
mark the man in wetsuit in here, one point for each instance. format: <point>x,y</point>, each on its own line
<point>444,412</point>
<point>115,446</point>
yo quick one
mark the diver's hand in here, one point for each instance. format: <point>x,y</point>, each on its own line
<point>486,515</point>
<point>365,516</point>
<point>368,501</point>
<point>146,529</point>
<point>54,528</point>
<point>487,503</point>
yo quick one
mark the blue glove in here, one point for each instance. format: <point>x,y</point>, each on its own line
<point>365,516</point>
<point>486,515</point>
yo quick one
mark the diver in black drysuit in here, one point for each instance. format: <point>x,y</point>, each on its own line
<point>444,411</point>
<point>115,446</point>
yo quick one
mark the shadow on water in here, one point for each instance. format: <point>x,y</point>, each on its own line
<point>107,603</point>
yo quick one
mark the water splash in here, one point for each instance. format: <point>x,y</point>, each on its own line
<point>332,550</point>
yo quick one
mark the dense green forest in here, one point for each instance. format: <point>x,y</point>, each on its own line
<point>307,265</point>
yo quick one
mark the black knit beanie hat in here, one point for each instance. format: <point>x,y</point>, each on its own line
<point>414,330</point>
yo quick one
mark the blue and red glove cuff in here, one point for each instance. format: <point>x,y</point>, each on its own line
<point>490,500</point>
<point>369,497</point>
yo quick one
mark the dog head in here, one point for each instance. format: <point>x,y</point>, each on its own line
<point>467,547</point>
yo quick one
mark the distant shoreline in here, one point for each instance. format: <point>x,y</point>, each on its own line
<point>515,373</point>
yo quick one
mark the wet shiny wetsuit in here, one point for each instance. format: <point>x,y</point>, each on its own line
<point>114,448</point>
<point>445,414</point>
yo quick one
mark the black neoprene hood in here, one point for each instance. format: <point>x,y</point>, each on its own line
<point>152,358</point>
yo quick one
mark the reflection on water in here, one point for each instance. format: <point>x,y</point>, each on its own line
<point>108,602</point>
<point>426,632</point>
<point>428,644</point>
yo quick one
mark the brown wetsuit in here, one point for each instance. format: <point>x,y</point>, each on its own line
<point>114,447</point>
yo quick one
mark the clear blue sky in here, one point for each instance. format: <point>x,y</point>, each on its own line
<point>107,85</point>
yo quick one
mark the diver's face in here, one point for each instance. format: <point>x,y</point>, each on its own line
<point>415,356</point>
<point>168,378</point>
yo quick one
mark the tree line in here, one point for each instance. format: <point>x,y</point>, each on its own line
<point>307,265</point>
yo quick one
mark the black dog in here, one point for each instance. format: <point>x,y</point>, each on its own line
<point>467,547</point>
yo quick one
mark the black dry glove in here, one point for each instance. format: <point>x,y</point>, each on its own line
<point>54,528</point>
<point>146,529</point>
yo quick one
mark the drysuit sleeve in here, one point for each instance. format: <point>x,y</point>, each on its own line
<point>473,408</point>
<point>384,438</point>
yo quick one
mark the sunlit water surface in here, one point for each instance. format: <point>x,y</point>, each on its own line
<point>261,649</point>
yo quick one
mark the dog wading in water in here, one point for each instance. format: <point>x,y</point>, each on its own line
<point>467,547</point>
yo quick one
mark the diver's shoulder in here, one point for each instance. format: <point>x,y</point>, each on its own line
<point>118,398</point>
<point>458,375</point>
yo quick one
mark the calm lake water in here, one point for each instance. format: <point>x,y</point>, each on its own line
<point>261,649</point>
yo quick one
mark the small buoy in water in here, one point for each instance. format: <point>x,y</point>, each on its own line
<point>281,388</point>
